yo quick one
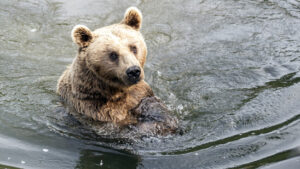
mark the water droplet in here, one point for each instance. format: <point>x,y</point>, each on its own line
<point>33,30</point>
<point>196,154</point>
<point>101,163</point>
<point>45,150</point>
<point>180,107</point>
<point>8,158</point>
<point>23,162</point>
<point>158,73</point>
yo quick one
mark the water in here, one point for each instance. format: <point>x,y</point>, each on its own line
<point>228,69</point>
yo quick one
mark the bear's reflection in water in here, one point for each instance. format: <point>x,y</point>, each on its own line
<point>97,159</point>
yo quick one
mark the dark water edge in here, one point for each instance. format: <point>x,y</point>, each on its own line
<point>290,163</point>
<point>289,158</point>
<point>235,137</point>
<point>7,167</point>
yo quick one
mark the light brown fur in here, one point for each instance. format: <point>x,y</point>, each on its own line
<point>97,86</point>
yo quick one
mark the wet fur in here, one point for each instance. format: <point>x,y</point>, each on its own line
<point>97,87</point>
<point>96,98</point>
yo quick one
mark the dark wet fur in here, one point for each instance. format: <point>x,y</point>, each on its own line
<point>154,117</point>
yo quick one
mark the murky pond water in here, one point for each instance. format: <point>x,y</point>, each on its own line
<point>228,69</point>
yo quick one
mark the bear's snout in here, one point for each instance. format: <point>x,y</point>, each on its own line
<point>133,73</point>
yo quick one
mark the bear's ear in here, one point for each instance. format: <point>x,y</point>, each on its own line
<point>133,17</point>
<point>82,35</point>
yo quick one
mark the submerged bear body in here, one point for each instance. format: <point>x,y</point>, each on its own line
<point>106,80</point>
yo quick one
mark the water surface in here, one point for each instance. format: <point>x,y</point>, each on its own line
<point>228,69</point>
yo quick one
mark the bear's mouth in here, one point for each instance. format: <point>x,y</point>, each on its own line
<point>128,81</point>
<point>117,80</point>
<point>133,81</point>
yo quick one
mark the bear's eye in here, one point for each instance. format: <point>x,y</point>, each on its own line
<point>133,49</point>
<point>113,56</point>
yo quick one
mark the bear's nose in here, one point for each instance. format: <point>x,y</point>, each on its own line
<point>133,73</point>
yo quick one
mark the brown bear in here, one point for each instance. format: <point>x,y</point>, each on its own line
<point>106,79</point>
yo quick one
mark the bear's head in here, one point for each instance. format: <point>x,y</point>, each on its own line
<point>116,54</point>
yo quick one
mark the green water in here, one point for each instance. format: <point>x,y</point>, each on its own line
<point>228,69</point>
